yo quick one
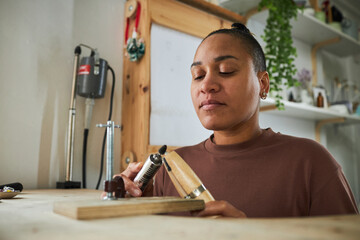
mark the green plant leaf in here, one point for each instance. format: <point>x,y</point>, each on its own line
<point>279,51</point>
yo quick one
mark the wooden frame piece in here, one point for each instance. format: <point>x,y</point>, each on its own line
<point>268,108</point>
<point>314,50</point>
<point>315,5</point>
<point>252,12</point>
<point>216,10</point>
<point>222,12</point>
<point>320,124</point>
<point>136,75</point>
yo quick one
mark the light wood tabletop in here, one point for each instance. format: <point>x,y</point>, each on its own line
<point>30,216</point>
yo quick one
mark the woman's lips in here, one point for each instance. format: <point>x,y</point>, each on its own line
<point>210,104</point>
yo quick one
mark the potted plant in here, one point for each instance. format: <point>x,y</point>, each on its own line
<point>279,50</point>
<point>304,84</point>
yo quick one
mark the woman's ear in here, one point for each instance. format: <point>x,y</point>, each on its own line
<point>264,82</point>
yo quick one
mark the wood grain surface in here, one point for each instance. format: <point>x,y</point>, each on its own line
<point>93,209</point>
<point>185,176</point>
<point>30,216</point>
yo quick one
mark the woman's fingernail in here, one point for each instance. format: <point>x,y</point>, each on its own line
<point>138,192</point>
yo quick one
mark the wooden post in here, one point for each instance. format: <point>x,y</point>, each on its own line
<point>252,12</point>
<point>136,93</point>
<point>322,123</point>
<point>314,50</point>
<point>215,10</point>
<point>315,5</point>
<point>268,108</point>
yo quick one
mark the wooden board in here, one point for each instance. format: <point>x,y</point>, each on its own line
<point>30,216</point>
<point>93,209</point>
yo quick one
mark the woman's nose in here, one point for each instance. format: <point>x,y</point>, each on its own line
<point>210,84</point>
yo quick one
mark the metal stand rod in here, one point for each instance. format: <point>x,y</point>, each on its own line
<point>110,153</point>
<point>71,126</point>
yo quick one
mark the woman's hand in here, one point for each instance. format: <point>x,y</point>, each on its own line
<point>128,176</point>
<point>219,208</point>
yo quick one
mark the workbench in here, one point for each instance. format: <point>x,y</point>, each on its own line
<point>30,216</point>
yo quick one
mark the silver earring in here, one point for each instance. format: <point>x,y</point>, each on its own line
<point>263,95</point>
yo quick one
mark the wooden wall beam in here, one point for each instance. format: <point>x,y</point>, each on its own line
<point>268,108</point>
<point>314,50</point>
<point>315,5</point>
<point>252,12</point>
<point>185,18</point>
<point>136,94</point>
<point>320,124</point>
<point>215,10</point>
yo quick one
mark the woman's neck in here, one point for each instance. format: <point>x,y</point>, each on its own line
<point>238,134</point>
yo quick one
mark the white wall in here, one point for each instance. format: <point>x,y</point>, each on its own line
<point>37,41</point>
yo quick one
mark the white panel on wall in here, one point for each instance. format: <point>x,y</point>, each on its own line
<point>173,120</point>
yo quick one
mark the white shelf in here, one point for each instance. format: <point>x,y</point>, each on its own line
<point>310,30</point>
<point>304,111</point>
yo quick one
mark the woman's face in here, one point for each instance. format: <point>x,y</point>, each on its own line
<point>225,89</point>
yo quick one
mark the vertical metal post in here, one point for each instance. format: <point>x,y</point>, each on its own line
<point>110,153</point>
<point>71,124</point>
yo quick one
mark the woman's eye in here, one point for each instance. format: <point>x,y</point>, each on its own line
<point>198,77</point>
<point>226,72</point>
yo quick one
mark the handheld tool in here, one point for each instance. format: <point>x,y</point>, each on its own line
<point>186,182</point>
<point>151,166</point>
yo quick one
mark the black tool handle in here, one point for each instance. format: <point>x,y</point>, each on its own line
<point>16,186</point>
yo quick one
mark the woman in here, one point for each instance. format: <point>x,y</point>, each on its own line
<point>252,172</point>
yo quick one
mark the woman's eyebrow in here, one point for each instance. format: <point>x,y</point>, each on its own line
<point>220,58</point>
<point>195,64</point>
<point>217,59</point>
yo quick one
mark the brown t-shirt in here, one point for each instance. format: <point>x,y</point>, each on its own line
<point>272,175</point>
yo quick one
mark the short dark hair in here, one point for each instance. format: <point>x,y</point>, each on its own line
<point>253,47</point>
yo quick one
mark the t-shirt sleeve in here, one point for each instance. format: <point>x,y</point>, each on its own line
<point>334,197</point>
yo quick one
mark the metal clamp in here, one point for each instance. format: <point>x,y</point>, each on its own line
<point>196,192</point>
<point>110,154</point>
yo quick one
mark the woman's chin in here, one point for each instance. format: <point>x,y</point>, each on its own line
<point>212,125</point>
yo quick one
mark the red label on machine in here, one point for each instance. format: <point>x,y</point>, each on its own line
<point>84,70</point>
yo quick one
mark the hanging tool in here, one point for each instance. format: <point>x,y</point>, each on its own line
<point>135,46</point>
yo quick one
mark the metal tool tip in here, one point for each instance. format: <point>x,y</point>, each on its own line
<point>162,150</point>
